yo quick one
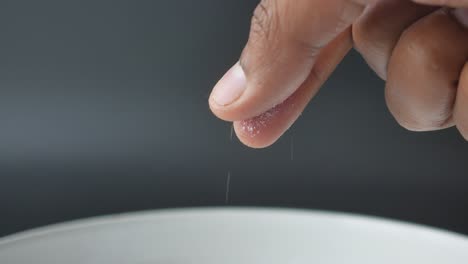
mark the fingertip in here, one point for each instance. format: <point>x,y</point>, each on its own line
<point>230,87</point>
<point>227,91</point>
<point>264,130</point>
<point>228,113</point>
<point>253,137</point>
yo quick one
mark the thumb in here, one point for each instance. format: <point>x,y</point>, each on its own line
<point>285,40</point>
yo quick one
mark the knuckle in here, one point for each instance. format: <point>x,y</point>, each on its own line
<point>348,13</point>
<point>265,20</point>
<point>366,35</point>
<point>419,47</point>
<point>360,37</point>
<point>366,41</point>
<point>305,49</point>
<point>264,44</point>
<point>274,31</point>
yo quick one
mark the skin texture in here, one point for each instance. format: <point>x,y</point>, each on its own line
<point>423,72</point>
<point>294,46</point>
<point>377,31</point>
<point>264,129</point>
<point>461,104</point>
<point>451,3</point>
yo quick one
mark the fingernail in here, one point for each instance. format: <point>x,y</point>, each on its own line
<point>461,14</point>
<point>230,87</point>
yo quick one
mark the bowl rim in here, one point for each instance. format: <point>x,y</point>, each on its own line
<point>141,216</point>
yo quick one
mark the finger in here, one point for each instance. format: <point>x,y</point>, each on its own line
<point>424,70</point>
<point>377,31</point>
<point>461,105</point>
<point>460,113</point>
<point>285,39</point>
<point>451,3</point>
<point>264,130</point>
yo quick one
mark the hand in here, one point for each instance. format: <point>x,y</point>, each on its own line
<point>451,3</point>
<point>294,46</point>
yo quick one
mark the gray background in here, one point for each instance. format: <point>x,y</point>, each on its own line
<point>103,109</point>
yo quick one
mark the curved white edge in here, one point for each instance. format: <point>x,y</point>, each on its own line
<point>151,214</point>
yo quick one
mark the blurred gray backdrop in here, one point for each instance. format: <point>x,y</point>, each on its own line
<point>103,109</point>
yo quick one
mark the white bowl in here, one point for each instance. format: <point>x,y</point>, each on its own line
<point>223,236</point>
